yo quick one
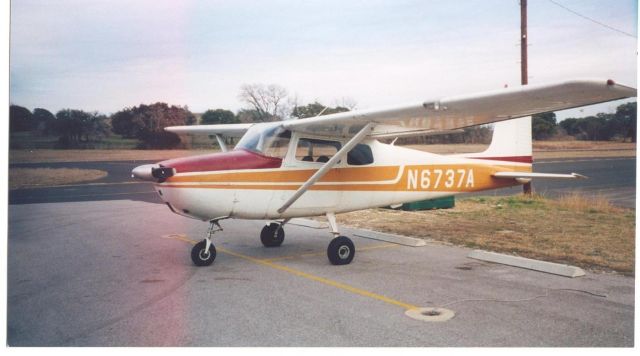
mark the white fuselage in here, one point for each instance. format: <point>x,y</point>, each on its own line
<point>397,175</point>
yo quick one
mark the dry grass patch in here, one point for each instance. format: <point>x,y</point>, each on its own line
<point>36,156</point>
<point>583,232</point>
<point>590,204</point>
<point>38,177</point>
<point>542,149</point>
<point>582,145</point>
<point>546,149</point>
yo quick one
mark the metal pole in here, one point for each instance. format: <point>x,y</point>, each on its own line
<point>523,42</point>
<point>527,188</point>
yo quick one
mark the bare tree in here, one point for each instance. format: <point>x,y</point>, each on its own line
<point>347,103</point>
<point>268,101</point>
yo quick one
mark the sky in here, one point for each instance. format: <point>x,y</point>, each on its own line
<point>106,55</point>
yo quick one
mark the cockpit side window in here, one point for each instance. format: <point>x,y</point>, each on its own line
<point>360,155</point>
<point>315,150</point>
<point>277,144</point>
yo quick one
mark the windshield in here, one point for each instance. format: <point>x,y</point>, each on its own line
<point>269,139</point>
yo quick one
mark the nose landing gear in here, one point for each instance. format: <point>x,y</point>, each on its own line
<point>204,252</point>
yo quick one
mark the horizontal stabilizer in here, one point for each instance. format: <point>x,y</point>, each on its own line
<point>529,175</point>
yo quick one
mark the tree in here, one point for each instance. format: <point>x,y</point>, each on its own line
<point>268,101</point>
<point>76,126</point>
<point>147,123</point>
<point>218,116</point>
<point>248,116</point>
<point>20,119</point>
<point>570,126</point>
<point>604,126</point>
<point>122,123</point>
<point>626,120</point>
<point>315,109</point>
<point>588,128</point>
<point>543,125</point>
<point>43,120</point>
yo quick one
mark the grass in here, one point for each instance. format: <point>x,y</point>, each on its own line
<point>578,230</point>
<point>34,141</point>
<point>547,149</point>
<point>582,145</point>
<point>49,155</point>
<point>550,149</point>
<point>40,177</point>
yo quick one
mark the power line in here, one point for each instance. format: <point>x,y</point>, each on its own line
<point>592,20</point>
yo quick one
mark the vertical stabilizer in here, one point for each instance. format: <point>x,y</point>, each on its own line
<point>511,142</point>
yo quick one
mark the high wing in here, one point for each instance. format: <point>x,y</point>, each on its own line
<point>444,114</point>
<point>456,112</point>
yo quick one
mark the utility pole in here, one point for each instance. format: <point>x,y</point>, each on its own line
<point>523,43</point>
<point>527,188</point>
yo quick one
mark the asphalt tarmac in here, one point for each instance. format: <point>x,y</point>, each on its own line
<point>114,270</point>
<point>613,178</point>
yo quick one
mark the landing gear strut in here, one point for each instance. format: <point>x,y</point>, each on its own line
<point>203,253</point>
<point>341,250</point>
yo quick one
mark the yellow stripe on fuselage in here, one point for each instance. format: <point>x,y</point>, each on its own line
<point>437,178</point>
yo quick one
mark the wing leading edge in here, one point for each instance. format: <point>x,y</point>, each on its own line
<point>444,114</point>
<point>456,112</point>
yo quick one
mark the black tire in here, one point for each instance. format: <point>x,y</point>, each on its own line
<point>341,251</point>
<point>272,235</point>
<point>199,257</point>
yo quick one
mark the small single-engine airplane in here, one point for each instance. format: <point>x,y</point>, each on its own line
<point>334,164</point>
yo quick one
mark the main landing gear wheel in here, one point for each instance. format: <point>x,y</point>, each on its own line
<point>200,257</point>
<point>341,251</point>
<point>272,235</point>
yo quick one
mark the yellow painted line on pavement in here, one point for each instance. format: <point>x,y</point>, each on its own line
<point>326,281</point>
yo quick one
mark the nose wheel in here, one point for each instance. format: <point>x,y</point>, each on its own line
<point>201,256</point>
<point>203,253</point>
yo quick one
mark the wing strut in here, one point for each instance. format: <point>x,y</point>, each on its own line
<point>327,166</point>
<point>223,146</point>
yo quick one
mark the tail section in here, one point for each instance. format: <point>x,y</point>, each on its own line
<point>511,142</point>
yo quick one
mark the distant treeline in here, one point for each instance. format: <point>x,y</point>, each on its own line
<point>619,126</point>
<point>146,123</point>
